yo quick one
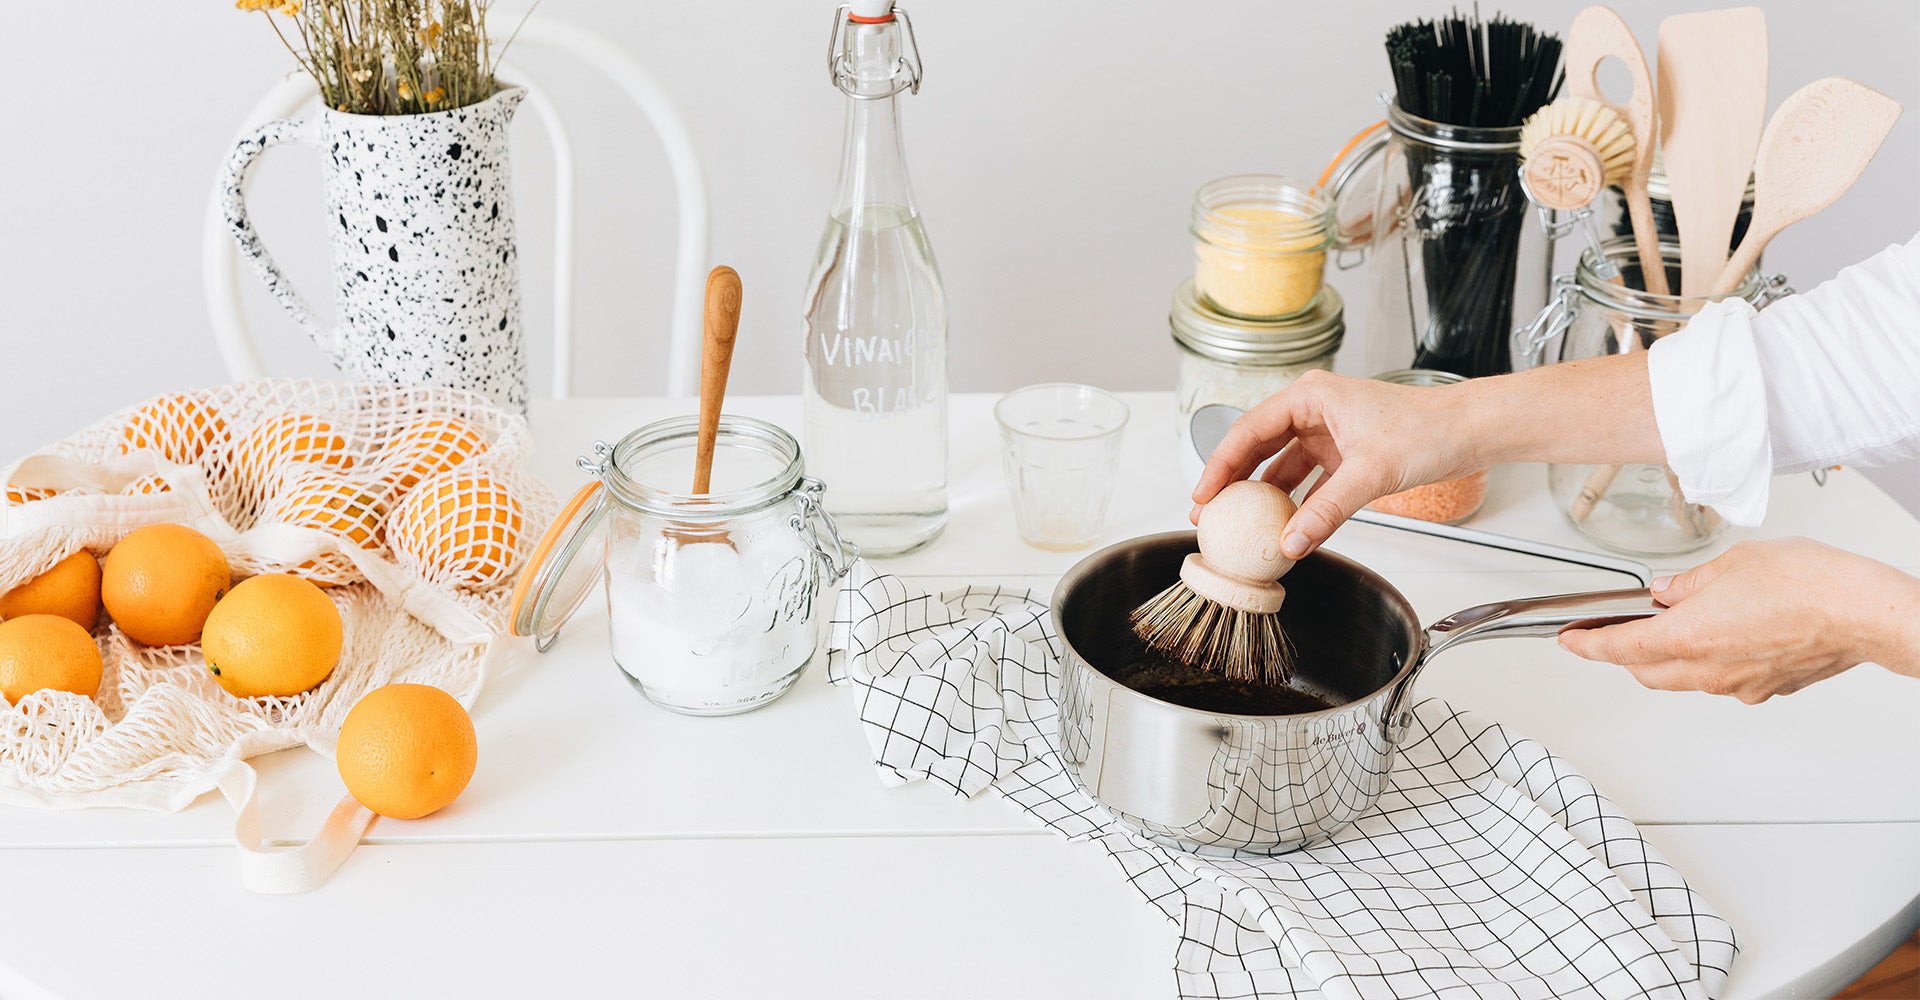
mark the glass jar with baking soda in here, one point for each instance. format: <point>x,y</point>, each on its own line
<point>1260,245</point>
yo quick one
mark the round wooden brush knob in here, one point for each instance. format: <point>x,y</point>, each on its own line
<point>1565,172</point>
<point>1240,558</point>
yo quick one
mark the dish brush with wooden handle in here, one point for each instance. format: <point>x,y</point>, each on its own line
<point>1223,614</point>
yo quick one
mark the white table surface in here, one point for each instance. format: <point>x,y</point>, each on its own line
<point>606,846</point>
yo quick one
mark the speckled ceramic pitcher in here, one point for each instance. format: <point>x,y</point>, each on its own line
<point>424,261</point>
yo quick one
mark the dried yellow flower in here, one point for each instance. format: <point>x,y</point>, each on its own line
<point>290,7</point>
<point>406,92</point>
<point>255,4</point>
<point>434,96</point>
<point>430,34</point>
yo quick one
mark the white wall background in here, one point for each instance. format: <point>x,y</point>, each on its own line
<point>1055,148</point>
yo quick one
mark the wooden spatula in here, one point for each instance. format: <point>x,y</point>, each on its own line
<point>1819,141</point>
<point>1598,33</point>
<point>1712,105</point>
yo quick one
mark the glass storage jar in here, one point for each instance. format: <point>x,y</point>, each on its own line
<point>714,600</point>
<point>1260,245</point>
<point>1635,509</point>
<point>1455,253</point>
<point>1241,362</point>
<point>1451,502</point>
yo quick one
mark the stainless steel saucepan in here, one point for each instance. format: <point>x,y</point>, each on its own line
<point>1197,762</point>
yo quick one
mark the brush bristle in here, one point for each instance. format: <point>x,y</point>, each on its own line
<point>1238,645</point>
<point>1588,119</point>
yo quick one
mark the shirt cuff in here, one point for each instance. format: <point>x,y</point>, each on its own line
<point>1710,402</point>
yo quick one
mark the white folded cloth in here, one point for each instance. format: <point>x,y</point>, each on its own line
<point>1489,868</point>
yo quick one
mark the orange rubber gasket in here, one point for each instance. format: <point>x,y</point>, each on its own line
<point>857,19</point>
<point>1334,164</point>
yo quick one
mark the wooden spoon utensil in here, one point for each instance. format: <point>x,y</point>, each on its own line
<point>1598,33</point>
<point>1819,141</point>
<point>1712,106</point>
<point>722,324</point>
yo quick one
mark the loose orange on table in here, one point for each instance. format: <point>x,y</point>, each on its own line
<point>160,582</point>
<point>461,526</point>
<point>47,651</point>
<point>407,750</point>
<point>70,589</point>
<point>425,447</point>
<point>181,428</point>
<point>275,635</point>
<point>264,452</point>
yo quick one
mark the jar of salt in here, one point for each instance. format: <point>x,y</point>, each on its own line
<point>1240,362</point>
<point>716,601</point>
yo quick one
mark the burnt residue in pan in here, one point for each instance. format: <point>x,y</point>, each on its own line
<point>1124,657</point>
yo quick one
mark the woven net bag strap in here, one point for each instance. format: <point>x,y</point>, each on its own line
<point>286,870</point>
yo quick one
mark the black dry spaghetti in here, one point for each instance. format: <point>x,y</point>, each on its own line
<point>1464,74</point>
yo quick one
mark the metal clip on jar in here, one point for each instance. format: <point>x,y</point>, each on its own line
<point>1241,362</point>
<point>1260,245</point>
<point>714,599</point>
<point>1451,502</point>
<point>1635,509</point>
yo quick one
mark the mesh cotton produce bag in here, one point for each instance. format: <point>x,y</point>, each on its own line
<point>413,503</point>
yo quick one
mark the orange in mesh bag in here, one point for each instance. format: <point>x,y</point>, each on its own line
<point>285,476</point>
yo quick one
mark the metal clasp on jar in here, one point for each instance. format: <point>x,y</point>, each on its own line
<point>596,466</point>
<point>1530,341</point>
<point>837,562</point>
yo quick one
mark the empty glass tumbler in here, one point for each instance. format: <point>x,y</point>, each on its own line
<point>1061,456</point>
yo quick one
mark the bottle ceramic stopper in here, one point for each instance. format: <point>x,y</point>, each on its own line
<point>1240,563</point>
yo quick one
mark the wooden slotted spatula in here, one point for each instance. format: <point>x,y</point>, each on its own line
<point>1819,141</point>
<point>1597,34</point>
<point>1712,105</point>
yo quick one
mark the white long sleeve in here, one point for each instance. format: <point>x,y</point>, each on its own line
<point>1822,378</point>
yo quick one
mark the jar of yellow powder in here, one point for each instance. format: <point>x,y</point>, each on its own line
<point>1260,245</point>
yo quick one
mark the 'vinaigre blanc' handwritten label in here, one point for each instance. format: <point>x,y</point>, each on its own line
<point>839,349</point>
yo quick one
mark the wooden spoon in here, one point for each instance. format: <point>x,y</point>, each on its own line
<point>1713,103</point>
<point>716,360</point>
<point>1819,141</point>
<point>1598,33</point>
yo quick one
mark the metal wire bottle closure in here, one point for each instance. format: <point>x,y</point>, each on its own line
<point>840,65</point>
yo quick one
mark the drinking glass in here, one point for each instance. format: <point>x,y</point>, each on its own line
<point>1062,449</point>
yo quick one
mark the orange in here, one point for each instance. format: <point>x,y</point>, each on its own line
<point>47,651</point>
<point>182,428</point>
<point>288,437</point>
<point>323,499</point>
<point>146,484</point>
<point>427,446</point>
<point>70,589</point>
<point>406,750</point>
<point>275,636</point>
<point>17,495</point>
<point>458,525</point>
<point>160,582</point>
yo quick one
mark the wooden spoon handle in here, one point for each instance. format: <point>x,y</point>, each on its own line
<point>716,358</point>
<point>1598,33</point>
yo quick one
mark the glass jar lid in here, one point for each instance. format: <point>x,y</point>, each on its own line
<point>558,578</point>
<point>1314,332</point>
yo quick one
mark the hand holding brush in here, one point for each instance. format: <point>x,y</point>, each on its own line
<point>1223,614</point>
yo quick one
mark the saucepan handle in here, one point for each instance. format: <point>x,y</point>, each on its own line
<point>1531,616</point>
<point>1541,616</point>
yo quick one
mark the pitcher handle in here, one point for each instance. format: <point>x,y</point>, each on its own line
<point>234,178</point>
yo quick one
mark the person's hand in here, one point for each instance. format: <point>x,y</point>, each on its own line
<point>1766,618</point>
<point>1371,437</point>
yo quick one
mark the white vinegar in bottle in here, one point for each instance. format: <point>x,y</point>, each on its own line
<point>875,385</point>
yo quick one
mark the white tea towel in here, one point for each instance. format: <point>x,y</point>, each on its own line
<point>1489,868</point>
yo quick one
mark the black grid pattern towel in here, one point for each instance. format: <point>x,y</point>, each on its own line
<point>1489,868</point>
